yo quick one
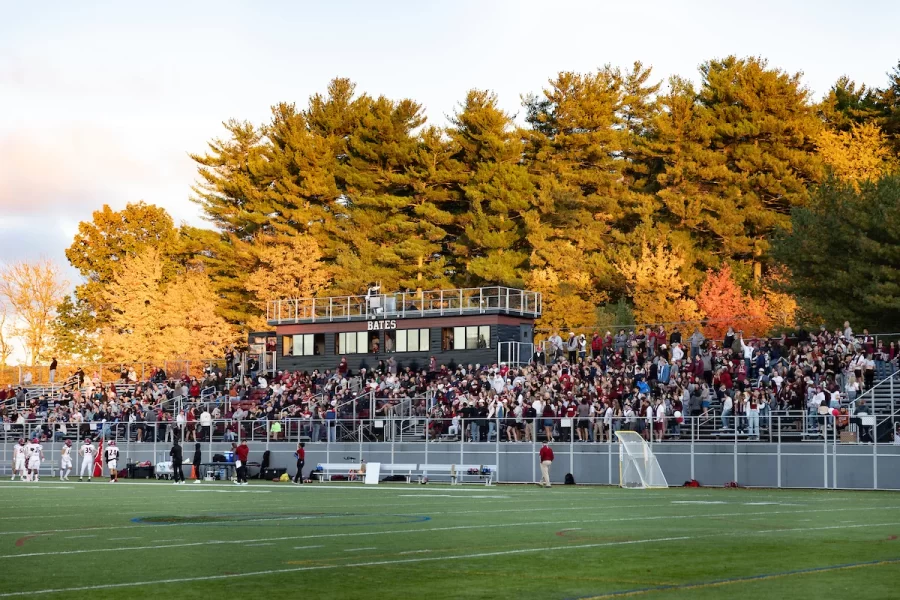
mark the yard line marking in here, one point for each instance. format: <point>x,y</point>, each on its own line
<point>307,547</point>
<point>135,537</point>
<point>698,502</point>
<point>411,560</point>
<point>414,552</point>
<point>428,530</point>
<point>359,549</point>
<point>41,487</point>
<point>262,544</point>
<point>194,490</point>
<point>427,496</point>
<point>75,537</point>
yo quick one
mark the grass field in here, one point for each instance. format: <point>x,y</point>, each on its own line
<point>151,540</point>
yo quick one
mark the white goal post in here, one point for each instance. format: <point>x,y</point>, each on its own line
<point>638,467</point>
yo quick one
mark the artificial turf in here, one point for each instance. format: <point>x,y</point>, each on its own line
<point>339,540</point>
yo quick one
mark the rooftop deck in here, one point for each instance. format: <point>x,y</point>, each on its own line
<point>406,305</point>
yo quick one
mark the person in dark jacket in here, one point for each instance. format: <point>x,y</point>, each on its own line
<point>177,456</point>
<point>198,459</point>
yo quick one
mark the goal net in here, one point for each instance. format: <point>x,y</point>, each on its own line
<point>638,467</point>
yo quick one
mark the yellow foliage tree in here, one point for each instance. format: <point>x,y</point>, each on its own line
<point>654,282</point>
<point>134,332</point>
<point>151,322</point>
<point>194,330</point>
<point>567,304</point>
<point>780,307</point>
<point>286,268</point>
<point>857,155</point>
<point>31,292</point>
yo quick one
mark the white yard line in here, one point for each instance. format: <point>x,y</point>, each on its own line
<point>75,537</point>
<point>423,530</point>
<point>359,549</point>
<point>307,547</point>
<point>413,560</point>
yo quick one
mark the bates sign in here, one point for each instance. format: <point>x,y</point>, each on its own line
<point>380,325</point>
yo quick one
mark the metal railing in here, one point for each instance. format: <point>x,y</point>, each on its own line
<point>406,304</point>
<point>763,427</point>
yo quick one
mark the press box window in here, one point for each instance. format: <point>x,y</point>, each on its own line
<point>307,344</point>
<point>410,340</point>
<point>354,342</point>
<point>471,338</point>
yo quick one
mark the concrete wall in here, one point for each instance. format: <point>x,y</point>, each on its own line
<point>807,465</point>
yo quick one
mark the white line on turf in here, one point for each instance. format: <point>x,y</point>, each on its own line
<point>307,547</point>
<point>424,530</point>
<point>261,544</point>
<point>375,563</point>
<point>134,537</point>
<point>75,537</point>
<point>359,549</point>
<point>414,552</point>
<point>194,490</point>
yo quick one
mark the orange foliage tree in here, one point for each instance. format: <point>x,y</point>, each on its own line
<point>726,304</point>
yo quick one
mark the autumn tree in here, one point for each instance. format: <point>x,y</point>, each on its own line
<point>290,267</point>
<point>583,126</point>
<point>103,243</point>
<point>192,328</point>
<point>860,154</point>
<point>154,319</point>
<point>31,291</point>
<point>654,282</point>
<point>74,331</point>
<point>388,189</point>
<point>736,156</point>
<point>726,305</point>
<point>6,347</point>
<point>497,191</point>
<point>234,194</point>
<point>134,330</point>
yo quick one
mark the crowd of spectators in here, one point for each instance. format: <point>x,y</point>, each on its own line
<point>579,388</point>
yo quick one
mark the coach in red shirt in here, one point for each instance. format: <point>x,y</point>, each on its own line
<point>546,455</point>
<point>240,454</point>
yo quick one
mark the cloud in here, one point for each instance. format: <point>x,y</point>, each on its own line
<point>63,170</point>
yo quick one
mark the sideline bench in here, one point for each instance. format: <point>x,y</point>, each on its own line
<point>457,474</point>
<point>325,471</point>
<point>460,473</point>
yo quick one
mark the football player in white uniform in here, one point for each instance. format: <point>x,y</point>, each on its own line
<point>112,456</point>
<point>86,451</point>
<point>35,453</point>
<point>19,460</point>
<point>65,461</point>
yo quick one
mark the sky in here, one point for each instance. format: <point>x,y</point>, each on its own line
<point>101,103</point>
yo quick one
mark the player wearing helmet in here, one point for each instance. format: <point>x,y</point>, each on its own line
<point>19,460</point>
<point>35,453</point>
<point>86,451</point>
<point>65,461</point>
<point>112,456</point>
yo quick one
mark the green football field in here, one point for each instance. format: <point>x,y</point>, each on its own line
<point>152,540</point>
